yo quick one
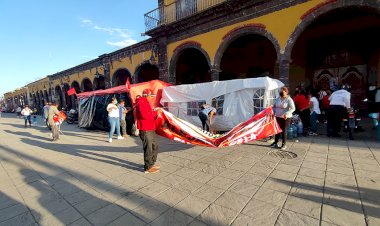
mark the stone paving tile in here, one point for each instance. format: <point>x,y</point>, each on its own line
<point>280,185</point>
<point>91,205</point>
<point>81,222</point>
<point>196,222</point>
<point>244,188</point>
<point>310,181</point>
<point>270,196</point>
<point>231,174</point>
<point>208,192</point>
<point>106,214</point>
<point>312,172</point>
<point>254,179</point>
<point>371,210</point>
<point>186,172</point>
<point>62,218</point>
<point>217,215</point>
<point>220,182</point>
<point>303,206</point>
<point>203,177</point>
<point>287,168</point>
<point>150,210</point>
<point>261,212</point>
<point>172,196</point>
<point>314,165</point>
<point>12,211</point>
<point>127,219</point>
<point>192,205</point>
<point>232,200</point>
<point>132,200</point>
<point>171,180</point>
<point>154,189</point>
<point>292,218</point>
<point>24,219</point>
<point>188,186</point>
<point>172,217</point>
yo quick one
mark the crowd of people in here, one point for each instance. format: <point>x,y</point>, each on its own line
<point>312,106</point>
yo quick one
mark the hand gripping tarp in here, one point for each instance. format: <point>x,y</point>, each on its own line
<point>260,126</point>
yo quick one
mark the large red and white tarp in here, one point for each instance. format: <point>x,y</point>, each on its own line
<point>260,126</point>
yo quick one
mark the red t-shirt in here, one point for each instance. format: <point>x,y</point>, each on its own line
<point>325,102</point>
<point>302,102</point>
<point>145,115</point>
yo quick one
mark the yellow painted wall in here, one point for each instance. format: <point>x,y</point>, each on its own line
<point>280,24</point>
<point>131,63</point>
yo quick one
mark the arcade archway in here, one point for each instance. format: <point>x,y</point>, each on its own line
<point>59,96</point>
<point>339,47</point>
<point>248,56</point>
<point>99,83</point>
<point>147,72</point>
<point>191,65</point>
<point>86,85</point>
<point>120,77</point>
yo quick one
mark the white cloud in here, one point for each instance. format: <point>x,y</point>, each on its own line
<point>115,32</point>
<point>122,44</point>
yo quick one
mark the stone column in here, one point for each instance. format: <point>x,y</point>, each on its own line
<point>283,71</point>
<point>214,71</point>
<point>163,64</point>
<point>106,61</point>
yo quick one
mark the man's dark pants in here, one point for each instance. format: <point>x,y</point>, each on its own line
<point>150,147</point>
<point>335,115</point>
<point>205,121</point>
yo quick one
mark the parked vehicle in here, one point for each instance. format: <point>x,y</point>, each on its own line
<point>351,122</point>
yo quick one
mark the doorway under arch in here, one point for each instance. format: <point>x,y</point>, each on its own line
<point>147,72</point>
<point>120,77</point>
<point>248,56</point>
<point>191,66</point>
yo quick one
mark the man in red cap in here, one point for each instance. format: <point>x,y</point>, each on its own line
<point>145,117</point>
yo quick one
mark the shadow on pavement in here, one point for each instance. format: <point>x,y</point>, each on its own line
<point>73,197</point>
<point>341,198</point>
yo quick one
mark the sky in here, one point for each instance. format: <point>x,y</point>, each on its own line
<point>43,37</point>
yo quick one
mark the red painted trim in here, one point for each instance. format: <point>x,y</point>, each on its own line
<point>189,43</point>
<point>320,5</point>
<point>259,26</point>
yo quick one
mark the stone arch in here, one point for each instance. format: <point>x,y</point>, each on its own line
<point>146,71</point>
<point>239,32</point>
<point>313,14</point>
<point>86,85</point>
<point>179,51</point>
<point>59,95</point>
<point>120,77</point>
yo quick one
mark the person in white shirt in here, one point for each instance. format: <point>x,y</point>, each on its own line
<point>315,113</point>
<point>113,119</point>
<point>340,101</point>
<point>26,112</point>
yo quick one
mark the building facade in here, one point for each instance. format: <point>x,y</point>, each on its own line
<point>315,43</point>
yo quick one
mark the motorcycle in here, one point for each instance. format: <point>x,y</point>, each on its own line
<point>72,116</point>
<point>351,122</point>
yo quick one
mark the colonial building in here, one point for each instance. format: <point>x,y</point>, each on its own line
<point>315,43</point>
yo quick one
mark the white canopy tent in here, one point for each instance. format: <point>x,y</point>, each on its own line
<point>235,100</point>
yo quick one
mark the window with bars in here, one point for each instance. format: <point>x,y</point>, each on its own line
<point>259,102</point>
<point>218,103</point>
<point>194,107</point>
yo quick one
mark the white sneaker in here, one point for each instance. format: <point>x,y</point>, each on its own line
<point>110,140</point>
<point>120,138</point>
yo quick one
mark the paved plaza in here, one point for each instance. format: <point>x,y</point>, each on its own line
<point>84,180</point>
